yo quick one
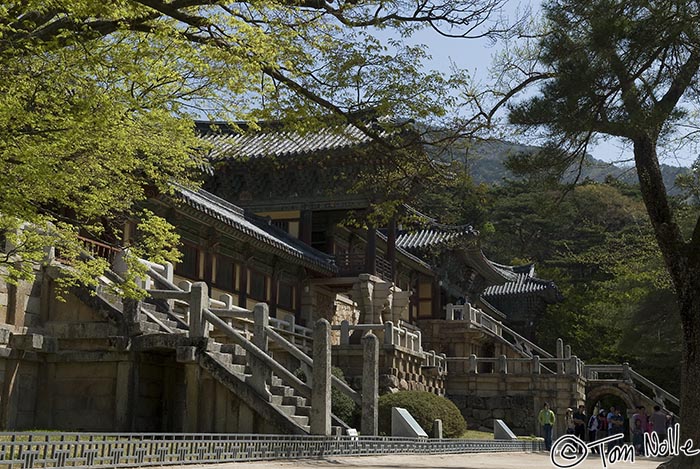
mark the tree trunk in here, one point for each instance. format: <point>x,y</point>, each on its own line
<point>685,274</point>
<point>689,300</point>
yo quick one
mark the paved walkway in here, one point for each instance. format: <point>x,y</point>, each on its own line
<point>449,461</point>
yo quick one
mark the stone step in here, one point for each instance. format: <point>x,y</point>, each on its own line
<point>214,346</point>
<point>294,400</point>
<point>302,420</point>
<point>148,327</point>
<point>303,410</point>
<point>157,314</point>
<point>276,400</point>
<point>149,306</point>
<point>235,368</point>
<point>281,390</point>
<point>287,409</point>
<point>235,350</point>
<point>225,358</point>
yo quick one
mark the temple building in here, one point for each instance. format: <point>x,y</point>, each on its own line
<point>303,185</point>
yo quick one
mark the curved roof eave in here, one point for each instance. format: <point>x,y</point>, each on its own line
<point>232,218</point>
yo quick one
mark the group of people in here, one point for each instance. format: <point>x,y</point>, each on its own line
<point>605,424</point>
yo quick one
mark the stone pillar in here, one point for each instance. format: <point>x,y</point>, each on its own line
<point>560,355</point>
<point>132,315</point>
<point>261,374</point>
<point>321,389</point>
<point>192,397</point>
<point>344,332</point>
<point>388,333</point>
<point>502,364</point>
<point>573,365</point>
<point>536,365</point>
<point>123,407</point>
<point>567,351</point>
<point>199,300</point>
<point>473,368</point>
<point>437,429</point>
<point>370,385</point>
<point>626,372</point>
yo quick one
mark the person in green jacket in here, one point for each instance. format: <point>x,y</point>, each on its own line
<point>546,418</point>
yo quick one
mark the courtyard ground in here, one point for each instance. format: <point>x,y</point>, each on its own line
<point>447,461</point>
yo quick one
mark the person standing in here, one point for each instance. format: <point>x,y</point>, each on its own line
<point>569,420</point>
<point>609,418</point>
<point>593,425</point>
<point>546,418</point>
<point>602,425</point>
<point>638,437</point>
<point>618,426</point>
<point>658,422</point>
<point>580,423</point>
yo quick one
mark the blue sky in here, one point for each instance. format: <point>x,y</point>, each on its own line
<point>475,55</point>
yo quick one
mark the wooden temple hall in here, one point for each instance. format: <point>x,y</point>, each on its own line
<point>203,353</point>
<point>269,225</point>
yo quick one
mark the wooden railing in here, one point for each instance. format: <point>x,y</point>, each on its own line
<point>355,263</point>
<point>92,248</point>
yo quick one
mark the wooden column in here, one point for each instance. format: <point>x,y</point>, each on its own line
<point>243,285</point>
<point>391,247</point>
<point>437,300</point>
<point>274,288</point>
<point>305,226</point>
<point>371,251</point>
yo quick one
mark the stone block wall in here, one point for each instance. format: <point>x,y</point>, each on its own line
<point>517,411</point>
<point>516,398</point>
<point>399,370</point>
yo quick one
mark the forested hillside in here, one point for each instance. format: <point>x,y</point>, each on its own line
<point>596,243</point>
<point>486,161</point>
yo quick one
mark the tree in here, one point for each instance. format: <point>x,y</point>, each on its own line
<point>629,69</point>
<point>97,98</point>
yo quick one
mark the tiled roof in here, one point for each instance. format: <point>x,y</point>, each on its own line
<point>523,281</point>
<point>405,253</point>
<point>265,143</point>
<point>430,237</point>
<point>234,216</point>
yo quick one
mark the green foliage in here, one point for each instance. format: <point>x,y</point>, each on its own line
<point>595,241</point>
<point>97,100</point>
<point>342,406</point>
<point>425,407</point>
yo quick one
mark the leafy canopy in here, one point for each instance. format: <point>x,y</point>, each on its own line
<point>96,98</point>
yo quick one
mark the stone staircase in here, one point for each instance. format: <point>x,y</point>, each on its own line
<point>229,364</point>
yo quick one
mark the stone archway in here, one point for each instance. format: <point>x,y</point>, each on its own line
<point>595,393</point>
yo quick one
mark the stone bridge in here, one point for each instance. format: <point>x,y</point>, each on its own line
<point>628,385</point>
